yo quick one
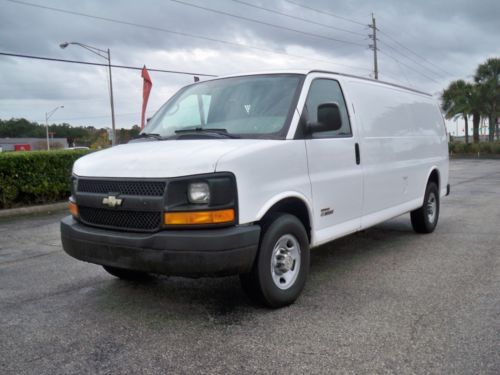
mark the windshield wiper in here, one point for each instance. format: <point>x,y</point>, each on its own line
<point>150,135</point>
<point>221,132</point>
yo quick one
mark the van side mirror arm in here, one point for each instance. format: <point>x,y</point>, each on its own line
<point>315,127</point>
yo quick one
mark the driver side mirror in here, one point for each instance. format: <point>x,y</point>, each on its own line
<point>329,119</point>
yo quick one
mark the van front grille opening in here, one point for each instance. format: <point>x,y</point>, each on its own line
<point>145,188</point>
<point>143,221</point>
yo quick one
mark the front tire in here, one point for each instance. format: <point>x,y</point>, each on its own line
<point>282,265</point>
<point>425,219</point>
<point>125,274</point>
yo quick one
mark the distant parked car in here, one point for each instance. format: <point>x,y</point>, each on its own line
<point>78,148</point>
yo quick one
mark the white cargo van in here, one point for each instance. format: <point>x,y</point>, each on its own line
<point>245,174</point>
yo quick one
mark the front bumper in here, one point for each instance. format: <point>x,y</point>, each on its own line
<point>199,252</point>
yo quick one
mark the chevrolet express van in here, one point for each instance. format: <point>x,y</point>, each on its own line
<point>245,174</point>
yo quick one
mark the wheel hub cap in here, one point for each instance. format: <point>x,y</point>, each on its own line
<point>285,261</point>
<point>431,207</point>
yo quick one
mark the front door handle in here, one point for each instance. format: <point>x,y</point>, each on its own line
<point>356,151</point>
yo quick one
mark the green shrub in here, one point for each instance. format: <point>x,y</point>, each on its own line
<point>474,148</point>
<point>485,147</point>
<point>459,148</point>
<point>495,147</point>
<point>35,177</point>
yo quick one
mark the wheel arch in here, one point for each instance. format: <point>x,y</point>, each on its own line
<point>434,175</point>
<point>293,203</point>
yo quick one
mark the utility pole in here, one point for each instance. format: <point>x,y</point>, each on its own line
<point>373,46</point>
<point>113,141</point>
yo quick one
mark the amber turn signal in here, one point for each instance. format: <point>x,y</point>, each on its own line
<point>199,217</point>
<point>73,208</point>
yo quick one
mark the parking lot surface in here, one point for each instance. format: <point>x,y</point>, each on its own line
<point>384,300</point>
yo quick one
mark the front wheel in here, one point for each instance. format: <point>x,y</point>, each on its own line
<point>424,219</point>
<point>282,265</point>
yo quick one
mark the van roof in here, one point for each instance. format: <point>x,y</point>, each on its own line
<point>305,72</point>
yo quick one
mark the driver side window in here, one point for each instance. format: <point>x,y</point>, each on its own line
<point>327,91</point>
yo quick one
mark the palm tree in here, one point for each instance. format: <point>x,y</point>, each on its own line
<point>456,102</point>
<point>477,109</point>
<point>487,80</point>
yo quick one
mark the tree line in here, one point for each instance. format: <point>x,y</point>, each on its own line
<point>476,99</point>
<point>77,136</point>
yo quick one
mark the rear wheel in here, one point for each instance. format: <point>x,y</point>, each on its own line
<point>125,274</point>
<point>280,270</point>
<point>425,219</point>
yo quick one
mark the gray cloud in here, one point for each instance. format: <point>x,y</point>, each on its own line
<point>455,35</point>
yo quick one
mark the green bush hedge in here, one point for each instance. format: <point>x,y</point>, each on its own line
<point>35,177</point>
<point>474,148</point>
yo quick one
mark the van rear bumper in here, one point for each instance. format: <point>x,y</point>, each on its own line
<point>195,253</point>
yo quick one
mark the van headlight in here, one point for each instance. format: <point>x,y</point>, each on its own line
<point>201,200</point>
<point>199,193</point>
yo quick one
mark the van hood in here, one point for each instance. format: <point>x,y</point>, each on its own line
<point>158,159</point>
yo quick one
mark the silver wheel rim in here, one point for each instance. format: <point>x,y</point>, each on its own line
<point>285,261</point>
<point>431,207</point>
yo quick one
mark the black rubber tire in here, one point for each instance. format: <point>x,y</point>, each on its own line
<point>258,284</point>
<point>125,274</point>
<point>419,218</point>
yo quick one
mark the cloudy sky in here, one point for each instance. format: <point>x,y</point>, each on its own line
<point>423,44</point>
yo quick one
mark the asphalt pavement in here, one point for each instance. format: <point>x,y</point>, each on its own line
<point>385,300</point>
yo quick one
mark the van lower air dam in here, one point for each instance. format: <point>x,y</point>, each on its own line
<point>245,174</point>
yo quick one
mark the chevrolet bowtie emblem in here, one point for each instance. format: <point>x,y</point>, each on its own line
<point>112,201</point>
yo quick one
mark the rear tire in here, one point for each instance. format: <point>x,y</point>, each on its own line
<point>282,265</point>
<point>126,274</point>
<point>425,219</point>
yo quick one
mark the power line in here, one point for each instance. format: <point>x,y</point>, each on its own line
<point>321,11</point>
<point>415,53</point>
<point>381,31</point>
<point>298,18</point>
<point>403,73</point>
<point>411,59</point>
<point>408,66</point>
<point>267,23</point>
<point>241,45</point>
<point>101,64</point>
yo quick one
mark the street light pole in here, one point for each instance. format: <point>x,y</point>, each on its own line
<point>47,116</point>
<point>105,54</point>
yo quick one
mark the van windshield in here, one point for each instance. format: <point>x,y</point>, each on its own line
<point>257,106</point>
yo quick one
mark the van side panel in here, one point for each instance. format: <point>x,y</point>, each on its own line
<point>402,137</point>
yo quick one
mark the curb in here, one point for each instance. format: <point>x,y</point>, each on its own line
<point>45,209</point>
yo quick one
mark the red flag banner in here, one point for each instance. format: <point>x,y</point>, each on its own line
<point>146,89</point>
